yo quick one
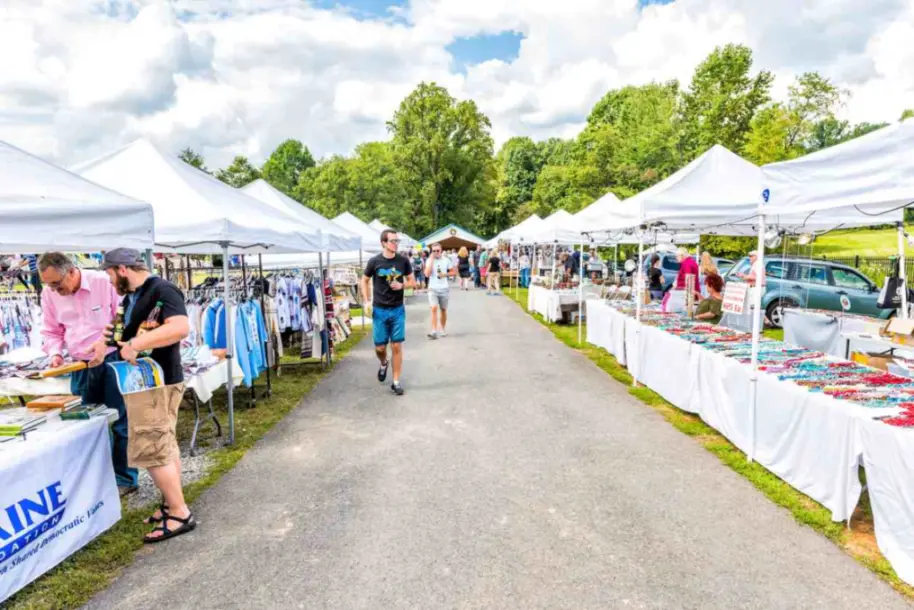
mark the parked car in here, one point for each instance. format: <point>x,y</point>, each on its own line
<point>669,265</point>
<point>813,284</point>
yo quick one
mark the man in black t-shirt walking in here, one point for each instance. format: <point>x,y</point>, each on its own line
<point>155,321</point>
<point>388,274</point>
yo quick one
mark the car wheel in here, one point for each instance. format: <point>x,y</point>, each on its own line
<point>775,312</point>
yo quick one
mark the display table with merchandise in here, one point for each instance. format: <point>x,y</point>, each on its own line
<point>550,303</point>
<point>60,492</point>
<point>816,419</point>
<point>606,328</point>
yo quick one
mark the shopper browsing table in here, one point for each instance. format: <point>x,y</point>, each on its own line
<point>155,320</point>
<point>76,308</point>
<point>709,310</point>
<point>438,269</point>
<point>385,274</point>
<point>493,264</point>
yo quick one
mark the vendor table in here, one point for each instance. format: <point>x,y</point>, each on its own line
<point>822,331</point>
<point>606,328</point>
<point>549,303</point>
<point>810,440</point>
<point>60,489</point>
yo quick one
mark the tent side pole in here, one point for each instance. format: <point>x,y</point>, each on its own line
<point>756,335</point>
<point>581,293</point>
<point>638,283</point>
<point>902,271</point>
<point>359,288</point>
<point>229,342</point>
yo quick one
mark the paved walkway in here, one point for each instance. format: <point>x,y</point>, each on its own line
<point>513,474</point>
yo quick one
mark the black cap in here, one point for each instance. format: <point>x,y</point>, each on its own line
<point>123,256</point>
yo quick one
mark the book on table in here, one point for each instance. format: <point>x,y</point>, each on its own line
<point>54,401</point>
<point>14,422</point>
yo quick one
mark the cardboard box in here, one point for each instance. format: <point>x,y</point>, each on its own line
<point>877,361</point>
<point>899,331</point>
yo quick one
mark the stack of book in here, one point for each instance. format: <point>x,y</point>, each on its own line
<point>82,411</point>
<point>16,422</point>
<point>57,401</point>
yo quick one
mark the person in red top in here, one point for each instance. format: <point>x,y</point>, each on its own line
<point>687,266</point>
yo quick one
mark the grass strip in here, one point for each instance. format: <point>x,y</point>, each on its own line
<point>859,542</point>
<point>92,569</point>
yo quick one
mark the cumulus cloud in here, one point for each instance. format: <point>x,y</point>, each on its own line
<point>239,76</point>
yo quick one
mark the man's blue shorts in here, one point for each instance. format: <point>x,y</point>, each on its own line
<point>389,325</point>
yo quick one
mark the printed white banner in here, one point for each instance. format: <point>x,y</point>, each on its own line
<point>55,498</point>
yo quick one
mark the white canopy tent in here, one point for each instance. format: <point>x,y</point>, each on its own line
<point>371,238</point>
<point>602,207</point>
<point>196,213</point>
<point>44,206</point>
<point>334,238</point>
<point>407,241</point>
<point>530,225</point>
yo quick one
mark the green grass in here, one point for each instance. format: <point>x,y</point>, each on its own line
<point>863,243</point>
<point>858,542</point>
<point>89,571</point>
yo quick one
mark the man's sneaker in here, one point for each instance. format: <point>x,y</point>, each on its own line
<point>396,388</point>
<point>382,372</point>
<point>432,335</point>
<point>443,333</point>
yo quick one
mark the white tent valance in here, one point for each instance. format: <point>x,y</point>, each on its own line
<point>334,238</point>
<point>558,228</point>
<point>529,226</point>
<point>194,212</point>
<point>43,206</point>
<point>873,174</point>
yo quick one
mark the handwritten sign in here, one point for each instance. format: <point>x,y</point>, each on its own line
<point>735,297</point>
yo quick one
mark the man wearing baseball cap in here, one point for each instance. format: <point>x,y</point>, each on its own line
<point>155,320</point>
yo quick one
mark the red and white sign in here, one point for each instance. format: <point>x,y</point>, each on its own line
<point>735,295</point>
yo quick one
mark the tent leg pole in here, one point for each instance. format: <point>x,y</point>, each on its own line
<point>229,343</point>
<point>902,270</point>
<point>756,335</point>
<point>359,289</point>
<point>581,293</point>
<point>638,285</point>
<point>263,310</point>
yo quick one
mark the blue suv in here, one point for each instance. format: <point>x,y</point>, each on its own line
<point>812,284</point>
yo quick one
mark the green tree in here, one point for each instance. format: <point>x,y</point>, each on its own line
<point>239,173</point>
<point>907,114</point>
<point>567,187</point>
<point>721,101</point>
<point>443,152</point>
<point>768,137</point>
<point>632,136</point>
<point>517,166</point>
<point>813,100</point>
<point>189,156</point>
<point>285,165</point>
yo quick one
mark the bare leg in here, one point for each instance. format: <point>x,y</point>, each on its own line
<point>398,360</point>
<point>434,318</point>
<point>168,479</point>
<point>381,352</point>
<point>443,324</point>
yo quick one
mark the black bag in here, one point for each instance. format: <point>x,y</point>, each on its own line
<point>890,296</point>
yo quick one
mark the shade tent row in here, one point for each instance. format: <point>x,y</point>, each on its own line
<point>406,242</point>
<point>194,213</point>
<point>45,206</point>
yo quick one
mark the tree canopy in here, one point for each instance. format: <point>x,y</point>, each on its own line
<point>440,166</point>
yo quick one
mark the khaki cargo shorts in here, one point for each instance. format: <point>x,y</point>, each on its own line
<point>151,420</point>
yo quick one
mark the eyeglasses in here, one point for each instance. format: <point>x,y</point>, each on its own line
<point>393,241</point>
<point>437,251</point>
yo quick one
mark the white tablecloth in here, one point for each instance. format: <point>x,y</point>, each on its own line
<point>209,381</point>
<point>63,477</point>
<point>606,328</point>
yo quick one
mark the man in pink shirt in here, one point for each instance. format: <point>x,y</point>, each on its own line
<point>77,305</point>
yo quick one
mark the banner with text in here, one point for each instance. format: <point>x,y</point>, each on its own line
<point>54,500</point>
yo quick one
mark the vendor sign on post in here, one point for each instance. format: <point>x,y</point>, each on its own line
<point>55,498</point>
<point>735,298</point>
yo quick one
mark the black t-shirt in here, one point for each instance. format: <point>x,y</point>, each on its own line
<point>154,290</point>
<point>656,277</point>
<point>383,271</point>
<point>494,264</point>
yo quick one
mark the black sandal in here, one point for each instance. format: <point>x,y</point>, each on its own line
<point>187,525</point>
<point>153,520</point>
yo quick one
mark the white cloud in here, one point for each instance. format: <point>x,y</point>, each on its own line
<point>239,76</point>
